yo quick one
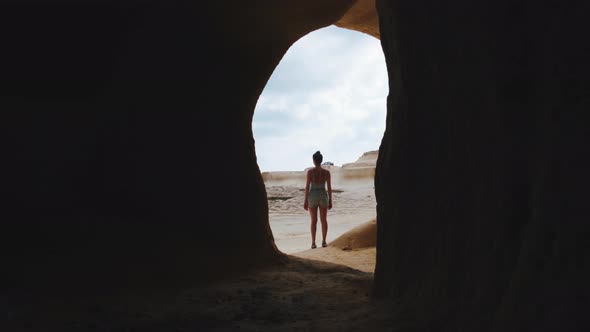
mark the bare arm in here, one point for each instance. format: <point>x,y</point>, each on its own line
<point>306,190</point>
<point>329,180</point>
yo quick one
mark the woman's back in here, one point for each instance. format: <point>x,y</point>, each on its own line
<point>317,197</point>
<point>318,178</point>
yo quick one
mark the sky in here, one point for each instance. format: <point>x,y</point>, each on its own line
<point>328,94</point>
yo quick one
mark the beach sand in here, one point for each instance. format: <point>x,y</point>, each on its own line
<point>353,203</point>
<point>290,223</point>
<point>355,249</point>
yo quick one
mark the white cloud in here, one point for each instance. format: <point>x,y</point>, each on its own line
<point>328,93</point>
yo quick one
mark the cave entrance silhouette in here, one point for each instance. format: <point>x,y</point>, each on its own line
<point>328,93</point>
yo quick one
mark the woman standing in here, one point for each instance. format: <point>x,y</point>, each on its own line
<point>316,196</point>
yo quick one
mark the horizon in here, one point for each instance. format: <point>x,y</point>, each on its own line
<point>335,164</point>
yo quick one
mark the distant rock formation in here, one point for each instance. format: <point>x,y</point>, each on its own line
<point>362,169</point>
<point>368,159</point>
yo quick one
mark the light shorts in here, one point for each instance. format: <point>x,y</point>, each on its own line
<point>317,198</point>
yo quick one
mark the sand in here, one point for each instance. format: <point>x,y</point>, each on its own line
<point>322,289</point>
<point>353,203</point>
<point>355,249</point>
<point>290,223</point>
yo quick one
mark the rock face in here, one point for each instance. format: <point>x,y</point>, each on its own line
<point>125,129</point>
<point>368,159</point>
<point>122,125</point>
<point>362,16</point>
<point>480,184</point>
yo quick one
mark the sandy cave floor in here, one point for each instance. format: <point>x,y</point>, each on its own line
<point>359,259</point>
<point>304,295</point>
<point>300,295</point>
<point>324,289</point>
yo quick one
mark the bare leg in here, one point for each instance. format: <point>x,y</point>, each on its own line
<point>324,221</point>
<point>314,222</point>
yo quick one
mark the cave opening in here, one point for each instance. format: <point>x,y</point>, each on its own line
<point>134,201</point>
<point>327,94</point>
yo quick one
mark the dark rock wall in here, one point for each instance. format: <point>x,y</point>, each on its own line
<point>482,175</point>
<point>125,131</point>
